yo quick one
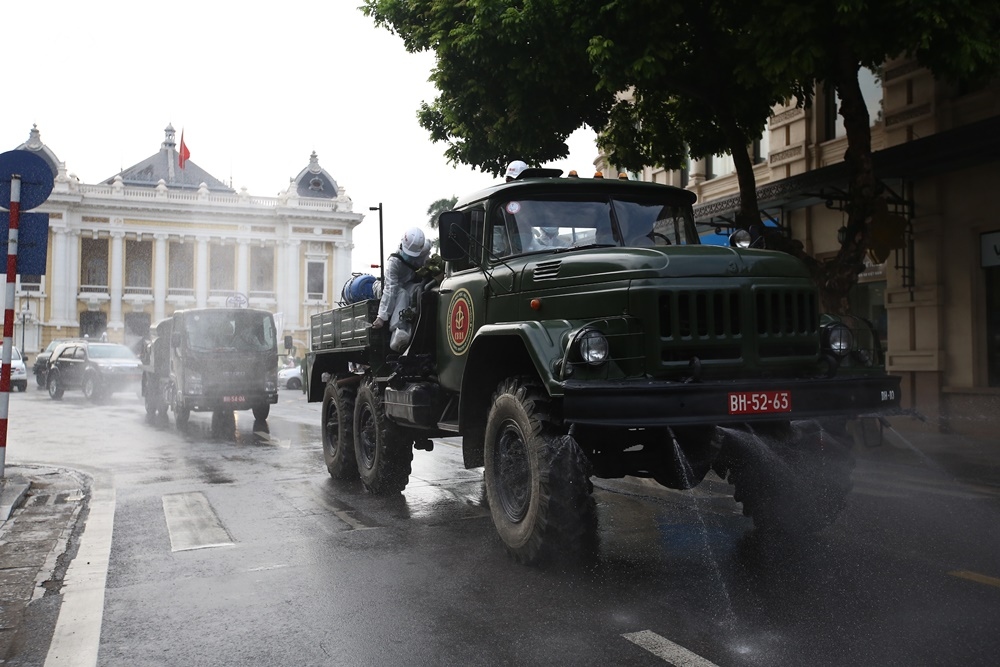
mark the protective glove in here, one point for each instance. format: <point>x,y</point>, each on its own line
<point>378,323</point>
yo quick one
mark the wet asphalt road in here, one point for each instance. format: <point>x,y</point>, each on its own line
<point>232,546</point>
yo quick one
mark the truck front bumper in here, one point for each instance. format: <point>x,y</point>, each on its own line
<point>647,403</point>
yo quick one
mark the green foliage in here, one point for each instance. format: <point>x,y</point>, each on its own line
<point>439,207</point>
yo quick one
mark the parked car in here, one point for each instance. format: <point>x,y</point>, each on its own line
<point>99,369</point>
<point>290,378</point>
<point>41,366</point>
<point>18,371</point>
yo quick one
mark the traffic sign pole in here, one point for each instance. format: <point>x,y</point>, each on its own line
<point>25,182</point>
<point>8,315</point>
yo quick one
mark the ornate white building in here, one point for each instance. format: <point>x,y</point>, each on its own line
<point>155,238</point>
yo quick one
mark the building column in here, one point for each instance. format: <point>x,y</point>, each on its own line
<point>59,281</point>
<point>341,268</point>
<point>293,285</point>
<point>243,267</point>
<point>159,277</point>
<point>72,277</point>
<point>201,273</point>
<point>117,269</point>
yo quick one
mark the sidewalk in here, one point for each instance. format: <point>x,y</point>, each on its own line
<point>39,509</point>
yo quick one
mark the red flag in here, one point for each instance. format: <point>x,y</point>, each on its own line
<point>183,155</point>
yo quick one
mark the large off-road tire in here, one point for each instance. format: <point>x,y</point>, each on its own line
<point>537,479</point>
<point>91,387</point>
<point>338,431</point>
<point>40,380</point>
<point>383,453</point>
<point>55,386</point>
<point>261,412</point>
<point>795,481</point>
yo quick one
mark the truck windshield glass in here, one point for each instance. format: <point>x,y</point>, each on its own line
<point>237,330</point>
<point>543,223</point>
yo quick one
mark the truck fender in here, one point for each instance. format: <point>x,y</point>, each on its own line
<point>499,351</point>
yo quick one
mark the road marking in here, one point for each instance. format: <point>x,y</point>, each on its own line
<point>77,634</point>
<point>192,523</point>
<point>667,650</point>
<point>976,577</point>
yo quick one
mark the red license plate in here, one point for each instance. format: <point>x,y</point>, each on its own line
<point>759,402</point>
<point>234,399</point>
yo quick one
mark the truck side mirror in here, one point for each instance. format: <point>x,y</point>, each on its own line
<point>289,344</point>
<point>454,229</point>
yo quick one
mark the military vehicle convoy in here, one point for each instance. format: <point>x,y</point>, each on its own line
<point>580,329</point>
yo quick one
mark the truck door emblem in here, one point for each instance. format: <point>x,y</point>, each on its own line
<point>461,318</point>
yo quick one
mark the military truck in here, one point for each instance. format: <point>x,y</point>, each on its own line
<point>211,360</point>
<point>579,330</point>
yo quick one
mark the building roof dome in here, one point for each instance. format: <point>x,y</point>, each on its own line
<point>314,182</point>
<point>164,166</point>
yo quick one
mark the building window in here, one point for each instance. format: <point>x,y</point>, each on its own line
<point>719,165</point>
<point>871,91</point>
<point>315,280</point>
<point>222,269</point>
<point>94,265</point>
<point>138,267</point>
<point>181,269</point>
<point>31,283</point>
<point>762,146</point>
<point>993,325</point>
<point>262,272</point>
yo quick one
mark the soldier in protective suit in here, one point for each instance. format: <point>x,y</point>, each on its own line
<point>402,288</point>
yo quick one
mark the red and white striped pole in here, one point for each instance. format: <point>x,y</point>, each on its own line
<point>8,315</point>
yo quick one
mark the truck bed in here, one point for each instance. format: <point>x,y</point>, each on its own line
<point>346,326</point>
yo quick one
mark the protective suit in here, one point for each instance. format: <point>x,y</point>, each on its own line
<point>401,292</point>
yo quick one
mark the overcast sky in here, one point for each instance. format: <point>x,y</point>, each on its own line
<point>256,86</point>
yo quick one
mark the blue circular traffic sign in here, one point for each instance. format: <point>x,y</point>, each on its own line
<point>36,178</point>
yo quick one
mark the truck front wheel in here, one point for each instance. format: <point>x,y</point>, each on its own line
<point>792,481</point>
<point>338,431</point>
<point>537,480</point>
<point>384,454</point>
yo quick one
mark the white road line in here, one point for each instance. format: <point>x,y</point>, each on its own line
<point>192,523</point>
<point>77,635</point>
<point>667,650</point>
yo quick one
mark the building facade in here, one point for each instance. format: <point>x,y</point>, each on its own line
<point>155,238</point>
<point>936,298</point>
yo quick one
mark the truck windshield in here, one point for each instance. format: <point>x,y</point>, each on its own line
<point>545,223</point>
<point>230,330</point>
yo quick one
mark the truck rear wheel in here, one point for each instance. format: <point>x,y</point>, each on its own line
<point>261,412</point>
<point>537,480</point>
<point>383,453</point>
<point>793,482</point>
<point>338,431</point>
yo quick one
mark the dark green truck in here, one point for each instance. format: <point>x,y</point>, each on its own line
<point>580,329</point>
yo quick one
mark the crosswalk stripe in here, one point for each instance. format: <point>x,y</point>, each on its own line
<point>192,523</point>
<point>667,650</point>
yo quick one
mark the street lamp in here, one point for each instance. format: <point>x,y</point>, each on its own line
<point>381,249</point>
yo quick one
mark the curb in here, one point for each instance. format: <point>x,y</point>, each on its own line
<point>12,492</point>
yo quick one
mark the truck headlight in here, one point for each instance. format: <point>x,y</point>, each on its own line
<point>839,339</point>
<point>593,347</point>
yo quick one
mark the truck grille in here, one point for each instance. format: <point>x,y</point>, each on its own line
<point>723,323</point>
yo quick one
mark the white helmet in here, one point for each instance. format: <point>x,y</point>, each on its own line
<point>514,169</point>
<point>413,242</point>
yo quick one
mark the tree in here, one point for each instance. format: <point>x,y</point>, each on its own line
<point>661,81</point>
<point>439,207</point>
<point>829,42</point>
<point>435,210</point>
